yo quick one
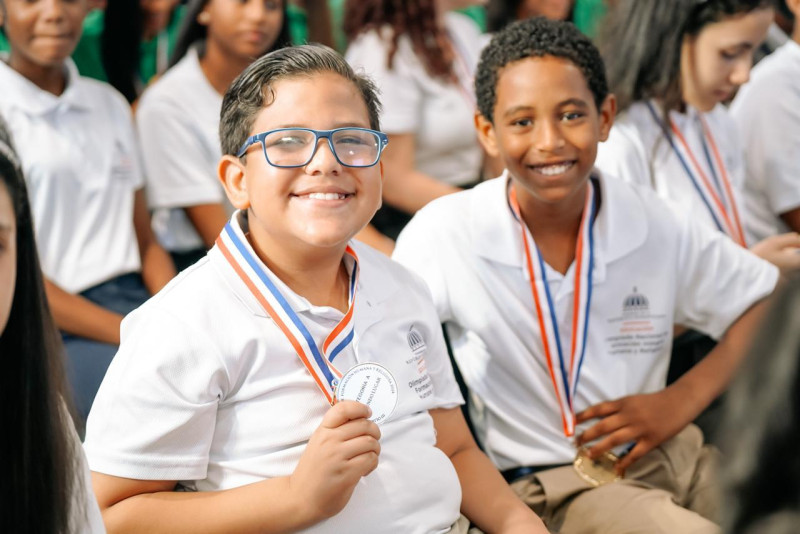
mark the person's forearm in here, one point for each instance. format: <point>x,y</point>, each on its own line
<point>80,316</point>
<point>208,220</point>
<point>711,376</point>
<point>411,190</point>
<point>265,507</point>
<point>486,496</point>
<point>157,267</point>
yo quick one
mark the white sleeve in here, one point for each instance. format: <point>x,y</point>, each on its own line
<point>419,249</point>
<point>623,156</point>
<point>128,139</point>
<point>155,413</point>
<point>718,280</point>
<point>401,95</point>
<point>176,160</point>
<point>770,129</point>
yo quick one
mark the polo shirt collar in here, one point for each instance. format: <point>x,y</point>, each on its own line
<point>620,227</point>
<point>30,98</point>
<point>372,288</point>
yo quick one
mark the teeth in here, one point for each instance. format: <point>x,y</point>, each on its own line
<point>326,196</point>
<point>552,170</point>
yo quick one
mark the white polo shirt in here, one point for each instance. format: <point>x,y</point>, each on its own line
<point>439,114</point>
<point>652,269</point>
<point>638,152</point>
<point>206,390</point>
<point>178,122</point>
<point>767,113</point>
<point>79,155</point>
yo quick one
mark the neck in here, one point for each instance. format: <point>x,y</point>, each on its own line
<point>319,276</point>
<point>554,226</point>
<point>153,24</point>
<point>220,68</point>
<point>796,32</point>
<point>50,79</point>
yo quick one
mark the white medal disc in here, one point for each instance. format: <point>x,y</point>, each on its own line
<point>371,384</point>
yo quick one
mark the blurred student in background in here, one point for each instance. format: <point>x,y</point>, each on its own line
<point>78,150</point>
<point>47,475</point>
<point>423,58</point>
<point>501,13</point>
<point>178,118</point>
<point>767,113</point>
<point>137,40</point>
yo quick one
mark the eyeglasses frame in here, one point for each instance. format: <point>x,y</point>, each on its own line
<point>383,140</point>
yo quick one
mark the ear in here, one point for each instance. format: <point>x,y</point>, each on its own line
<point>607,112</point>
<point>231,172</point>
<point>204,18</point>
<point>486,135</point>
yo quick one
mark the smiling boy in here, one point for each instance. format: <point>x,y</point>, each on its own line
<point>559,288</point>
<point>239,380</point>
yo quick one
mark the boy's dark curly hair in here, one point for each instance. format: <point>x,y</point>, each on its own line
<point>537,37</point>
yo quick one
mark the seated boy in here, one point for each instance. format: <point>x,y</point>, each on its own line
<point>238,381</point>
<point>559,288</point>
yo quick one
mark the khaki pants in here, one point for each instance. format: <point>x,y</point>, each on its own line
<point>670,490</point>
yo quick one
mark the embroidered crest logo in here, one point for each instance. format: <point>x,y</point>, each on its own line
<point>635,305</point>
<point>416,342</point>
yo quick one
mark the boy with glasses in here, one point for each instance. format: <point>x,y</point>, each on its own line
<point>260,376</point>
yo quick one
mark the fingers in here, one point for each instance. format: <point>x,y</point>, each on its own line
<point>601,410</point>
<point>360,445</point>
<point>640,449</point>
<point>364,464</point>
<point>356,428</point>
<point>603,427</point>
<point>620,437</point>
<point>344,411</point>
<point>790,239</point>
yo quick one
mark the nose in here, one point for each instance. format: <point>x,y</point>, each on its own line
<point>323,161</point>
<point>53,10</point>
<point>256,10</point>
<point>741,70</point>
<point>547,135</point>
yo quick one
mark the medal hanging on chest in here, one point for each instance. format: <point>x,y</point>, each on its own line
<point>380,389</point>
<point>716,194</point>
<point>565,369</point>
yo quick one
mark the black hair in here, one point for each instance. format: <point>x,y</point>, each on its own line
<point>761,426</point>
<point>537,37</point>
<point>252,90</point>
<point>641,42</point>
<point>192,31</point>
<point>40,461</point>
<point>501,13</point>
<point>123,23</point>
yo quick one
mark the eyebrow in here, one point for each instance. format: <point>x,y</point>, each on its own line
<point>568,102</point>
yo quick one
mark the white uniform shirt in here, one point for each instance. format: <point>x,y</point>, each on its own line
<point>178,123</point>
<point>767,113</point>
<point>652,269</point>
<point>439,114</point>
<point>207,390</point>
<point>78,153</point>
<point>638,152</point>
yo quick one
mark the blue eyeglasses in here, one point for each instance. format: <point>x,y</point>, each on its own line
<point>295,147</point>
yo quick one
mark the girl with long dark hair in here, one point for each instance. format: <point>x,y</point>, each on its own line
<point>46,469</point>
<point>178,117</point>
<point>672,65</point>
<point>423,59</point>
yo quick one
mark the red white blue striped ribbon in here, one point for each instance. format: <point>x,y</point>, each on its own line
<point>717,195</point>
<point>564,372</point>
<point>319,361</point>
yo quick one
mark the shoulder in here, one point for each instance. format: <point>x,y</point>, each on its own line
<point>171,88</point>
<point>386,276</point>
<point>462,24</point>
<point>103,94</point>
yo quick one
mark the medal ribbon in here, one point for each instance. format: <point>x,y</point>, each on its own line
<point>231,242</point>
<point>564,373</point>
<point>718,196</point>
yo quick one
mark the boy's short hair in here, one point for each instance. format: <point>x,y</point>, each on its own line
<point>537,37</point>
<point>252,90</point>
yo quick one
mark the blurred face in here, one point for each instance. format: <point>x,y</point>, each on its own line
<point>322,205</point>
<point>716,61</point>
<point>546,129</point>
<point>552,9</point>
<point>8,256</point>
<point>43,33</point>
<point>242,28</point>
<point>157,14</point>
